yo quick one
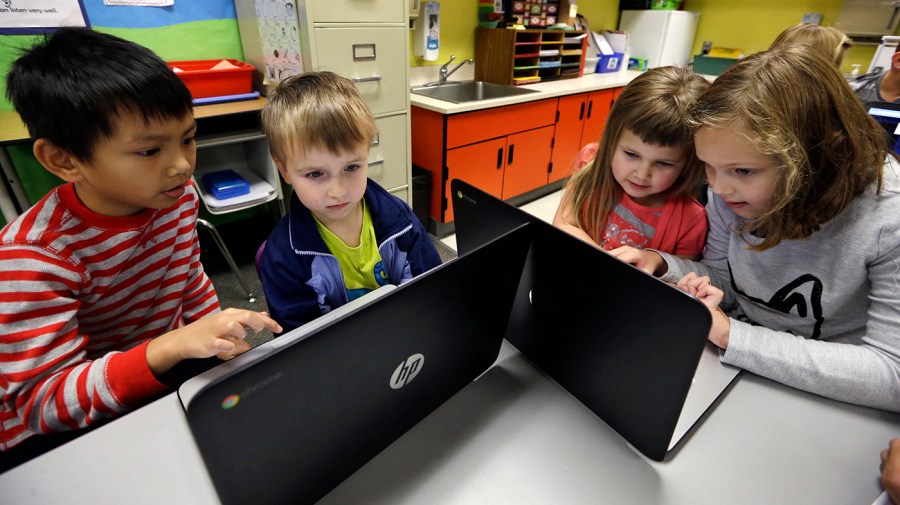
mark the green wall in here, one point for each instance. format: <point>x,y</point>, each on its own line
<point>197,40</point>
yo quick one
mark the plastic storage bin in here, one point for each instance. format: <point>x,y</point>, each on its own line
<point>610,62</point>
<point>203,81</point>
<point>226,184</point>
<point>591,63</point>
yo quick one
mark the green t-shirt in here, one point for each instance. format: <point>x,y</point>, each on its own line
<point>361,266</point>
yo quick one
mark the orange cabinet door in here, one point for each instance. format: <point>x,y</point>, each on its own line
<point>598,105</point>
<point>527,161</point>
<point>567,138</point>
<point>481,165</point>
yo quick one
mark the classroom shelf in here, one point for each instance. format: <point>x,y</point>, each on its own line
<point>528,56</point>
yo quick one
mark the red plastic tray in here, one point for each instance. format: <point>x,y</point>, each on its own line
<point>204,82</point>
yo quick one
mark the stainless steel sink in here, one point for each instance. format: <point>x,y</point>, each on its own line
<point>470,91</point>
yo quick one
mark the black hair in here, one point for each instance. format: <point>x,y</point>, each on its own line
<point>69,87</point>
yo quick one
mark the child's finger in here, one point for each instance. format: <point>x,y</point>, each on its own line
<point>259,320</point>
<point>222,345</point>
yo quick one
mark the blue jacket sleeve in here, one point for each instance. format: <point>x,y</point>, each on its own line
<point>290,300</point>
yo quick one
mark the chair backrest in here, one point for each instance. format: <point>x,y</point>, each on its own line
<point>258,257</point>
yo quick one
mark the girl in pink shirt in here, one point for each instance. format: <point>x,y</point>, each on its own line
<point>636,186</point>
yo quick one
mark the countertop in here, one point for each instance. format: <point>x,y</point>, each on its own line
<point>590,82</point>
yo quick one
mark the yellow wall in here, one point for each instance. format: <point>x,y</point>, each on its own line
<point>750,26</point>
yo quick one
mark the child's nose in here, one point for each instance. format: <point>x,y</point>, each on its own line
<point>180,165</point>
<point>337,189</point>
<point>643,171</point>
<point>719,186</point>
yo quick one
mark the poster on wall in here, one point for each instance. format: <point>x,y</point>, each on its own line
<point>19,17</point>
<point>279,34</point>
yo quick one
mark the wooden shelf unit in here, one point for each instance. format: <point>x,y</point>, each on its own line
<point>528,56</point>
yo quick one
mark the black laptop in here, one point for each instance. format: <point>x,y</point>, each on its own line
<point>626,344</point>
<point>888,116</point>
<point>289,427</point>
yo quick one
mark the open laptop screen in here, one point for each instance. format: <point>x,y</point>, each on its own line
<point>888,115</point>
<point>292,425</point>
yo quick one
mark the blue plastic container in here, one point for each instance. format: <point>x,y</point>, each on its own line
<point>225,184</point>
<point>610,62</point>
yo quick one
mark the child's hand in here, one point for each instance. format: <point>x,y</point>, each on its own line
<point>890,470</point>
<point>648,261</point>
<point>702,289</point>
<point>222,334</point>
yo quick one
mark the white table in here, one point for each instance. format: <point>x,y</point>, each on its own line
<point>514,436</point>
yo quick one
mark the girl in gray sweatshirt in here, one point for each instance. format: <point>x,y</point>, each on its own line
<point>803,249</point>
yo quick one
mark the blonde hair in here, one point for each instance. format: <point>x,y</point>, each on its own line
<point>830,42</point>
<point>316,109</point>
<point>796,107</point>
<point>655,106</point>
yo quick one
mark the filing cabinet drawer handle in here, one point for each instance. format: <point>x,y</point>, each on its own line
<point>377,140</point>
<point>367,79</point>
<point>376,162</point>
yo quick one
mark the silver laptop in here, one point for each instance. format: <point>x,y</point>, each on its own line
<point>630,347</point>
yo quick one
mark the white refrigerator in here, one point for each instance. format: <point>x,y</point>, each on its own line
<point>663,37</point>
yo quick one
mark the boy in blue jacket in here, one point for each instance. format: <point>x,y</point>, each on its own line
<point>344,235</point>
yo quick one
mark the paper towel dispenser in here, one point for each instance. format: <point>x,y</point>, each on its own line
<point>868,19</point>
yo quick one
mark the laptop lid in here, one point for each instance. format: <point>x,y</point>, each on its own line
<point>888,116</point>
<point>624,343</point>
<point>293,425</point>
<point>194,385</point>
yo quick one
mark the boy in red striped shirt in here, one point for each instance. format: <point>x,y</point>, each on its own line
<point>102,287</point>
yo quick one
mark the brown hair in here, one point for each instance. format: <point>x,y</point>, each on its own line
<point>830,42</point>
<point>316,109</point>
<point>655,106</point>
<point>795,106</point>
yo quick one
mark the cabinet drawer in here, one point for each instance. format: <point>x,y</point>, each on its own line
<point>388,158</point>
<point>357,11</point>
<point>373,57</point>
<point>471,127</point>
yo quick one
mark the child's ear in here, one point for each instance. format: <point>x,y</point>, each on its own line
<point>57,161</point>
<point>281,168</point>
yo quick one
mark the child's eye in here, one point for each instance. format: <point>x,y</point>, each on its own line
<point>315,174</point>
<point>352,168</point>
<point>743,171</point>
<point>188,141</point>
<point>148,152</point>
<point>631,154</point>
<point>665,164</point>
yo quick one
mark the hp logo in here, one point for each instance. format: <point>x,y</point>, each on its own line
<point>407,371</point>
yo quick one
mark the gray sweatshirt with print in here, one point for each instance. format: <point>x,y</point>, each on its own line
<point>822,314</point>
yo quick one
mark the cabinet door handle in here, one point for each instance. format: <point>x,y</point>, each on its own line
<point>590,108</point>
<point>376,162</point>
<point>581,112</point>
<point>367,79</point>
<point>499,158</point>
<point>509,158</point>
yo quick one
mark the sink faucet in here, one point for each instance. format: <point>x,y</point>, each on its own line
<point>445,73</point>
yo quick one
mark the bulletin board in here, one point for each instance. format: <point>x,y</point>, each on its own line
<point>536,13</point>
<point>23,17</point>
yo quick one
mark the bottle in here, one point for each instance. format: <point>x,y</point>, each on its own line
<point>855,72</point>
